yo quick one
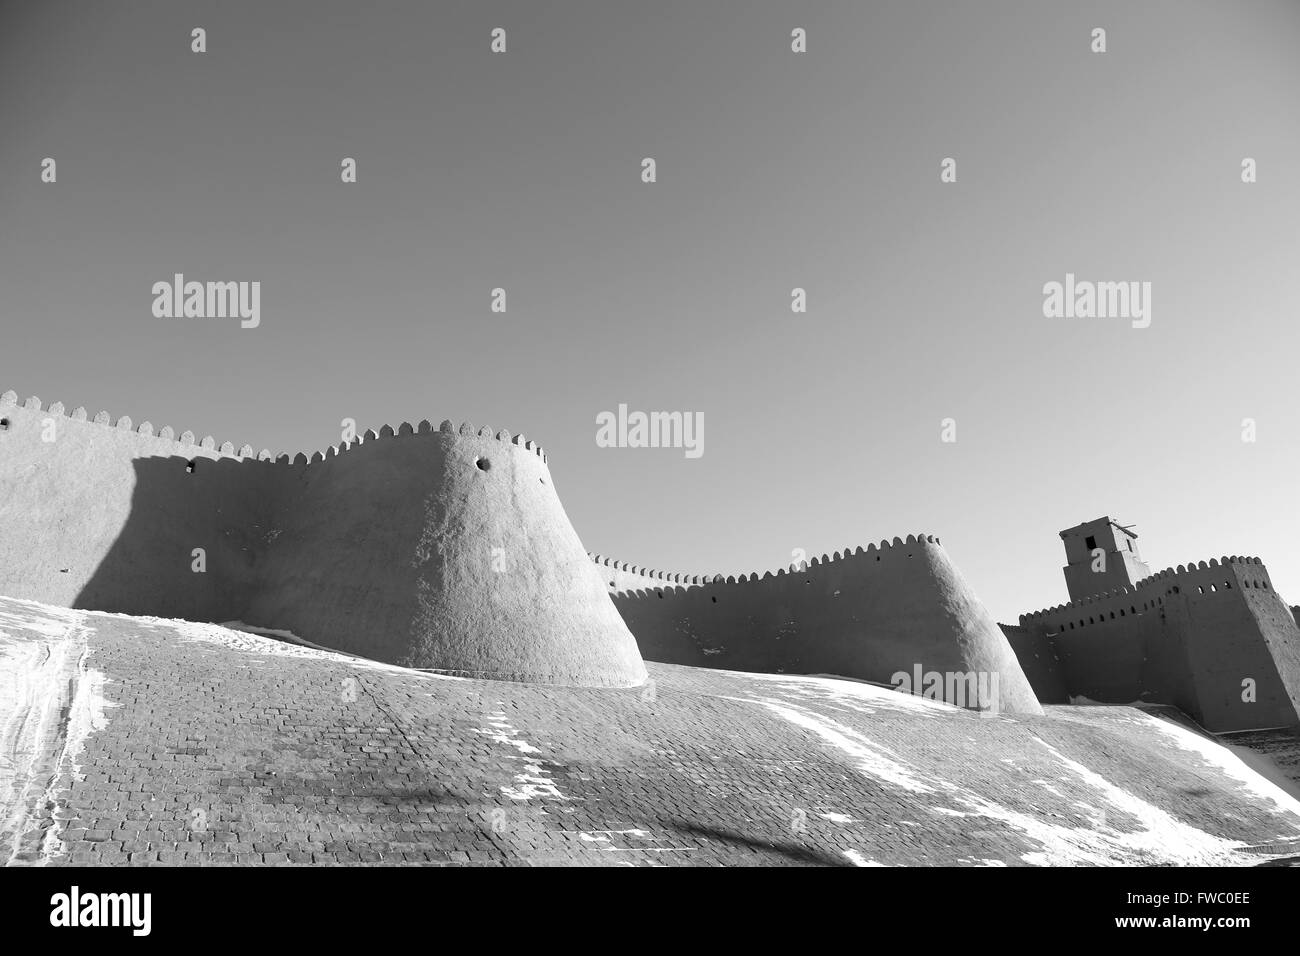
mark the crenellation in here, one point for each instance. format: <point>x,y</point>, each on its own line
<point>335,542</point>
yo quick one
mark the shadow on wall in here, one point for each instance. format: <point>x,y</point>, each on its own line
<point>441,551</point>
<point>444,549</point>
<point>190,541</point>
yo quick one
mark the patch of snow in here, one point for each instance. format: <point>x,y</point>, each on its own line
<point>871,758</point>
<point>1223,758</point>
<point>535,781</point>
<point>857,859</point>
<point>87,713</point>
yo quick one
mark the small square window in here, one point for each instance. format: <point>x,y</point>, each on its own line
<point>1090,542</point>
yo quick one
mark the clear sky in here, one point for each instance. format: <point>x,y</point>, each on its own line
<point>775,170</point>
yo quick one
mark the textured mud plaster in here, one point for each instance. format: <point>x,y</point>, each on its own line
<point>1214,639</point>
<point>444,549</point>
<point>867,615</point>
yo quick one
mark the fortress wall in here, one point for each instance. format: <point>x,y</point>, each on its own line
<point>1186,636</point>
<point>1245,634</point>
<point>1123,661</point>
<point>68,499</point>
<point>402,547</point>
<point>447,550</point>
<point>865,615</point>
<point>1038,659</point>
<point>619,576</point>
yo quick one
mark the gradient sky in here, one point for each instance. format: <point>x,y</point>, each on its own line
<point>776,170</point>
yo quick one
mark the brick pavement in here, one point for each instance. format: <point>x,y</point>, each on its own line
<point>156,743</point>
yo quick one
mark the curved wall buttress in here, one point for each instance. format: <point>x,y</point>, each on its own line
<point>447,550</point>
<point>866,615</point>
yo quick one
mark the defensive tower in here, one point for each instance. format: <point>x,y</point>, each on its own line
<point>444,548</point>
<point>1101,555</point>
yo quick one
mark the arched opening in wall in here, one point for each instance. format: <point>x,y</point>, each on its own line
<point>1121,613</point>
<point>191,466</point>
<point>714,599</point>
<point>660,593</point>
<point>1175,589</point>
<point>4,424</point>
<point>1133,610</point>
<point>1112,615</point>
<point>611,583</point>
<point>1265,585</point>
<point>483,464</point>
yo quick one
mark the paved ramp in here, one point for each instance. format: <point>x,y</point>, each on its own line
<point>192,743</point>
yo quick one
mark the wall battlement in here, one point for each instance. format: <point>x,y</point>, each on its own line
<point>446,549</point>
<point>861,613</point>
<point>1210,637</point>
<point>1150,592</point>
<point>634,579</point>
<point>187,440</point>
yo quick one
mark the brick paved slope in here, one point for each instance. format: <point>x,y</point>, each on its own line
<point>135,740</point>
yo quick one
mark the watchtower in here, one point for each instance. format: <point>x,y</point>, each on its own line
<point>1102,556</point>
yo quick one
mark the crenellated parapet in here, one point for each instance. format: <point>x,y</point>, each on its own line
<point>439,547</point>
<point>145,430</point>
<point>637,580</point>
<point>1201,578</point>
<point>1210,637</point>
<point>165,438</point>
<point>868,613</point>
